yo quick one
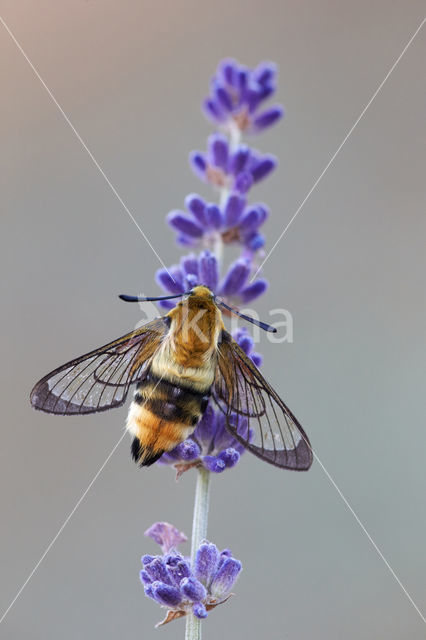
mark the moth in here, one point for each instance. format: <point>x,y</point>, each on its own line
<point>179,363</point>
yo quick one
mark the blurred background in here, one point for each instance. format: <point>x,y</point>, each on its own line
<point>131,76</point>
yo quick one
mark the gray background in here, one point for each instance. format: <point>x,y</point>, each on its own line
<point>131,76</point>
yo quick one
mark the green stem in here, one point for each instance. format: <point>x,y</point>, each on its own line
<point>199,533</point>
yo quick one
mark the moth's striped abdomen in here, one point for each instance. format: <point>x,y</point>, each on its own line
<point>163,414</point>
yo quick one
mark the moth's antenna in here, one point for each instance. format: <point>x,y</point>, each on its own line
<point>258,323</point>
<point>127,298</point>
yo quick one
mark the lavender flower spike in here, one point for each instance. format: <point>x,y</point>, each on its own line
<point>182,587</point>
<point>236,104</point>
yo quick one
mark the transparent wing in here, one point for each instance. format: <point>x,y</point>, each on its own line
<point>100,379</point>
<point>272,433</point>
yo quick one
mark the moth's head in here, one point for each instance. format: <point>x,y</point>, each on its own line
<point>199,296</point>
<point>201,292</point>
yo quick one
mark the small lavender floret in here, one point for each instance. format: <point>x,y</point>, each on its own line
<point>257,359</point>
<point>254,290</point>
<point>268,118</point>
<point>225,553</point>
<point>166,594</point>
<point>208,270</point>
<point>213,111</point>
<point>180,571</point>
<point>187,450</point>
<point>171,282</point>
<point>214,464</point>
<point>243,182</point>
<point>206,562</point>
<point>255,241</point>
<point>172,558</point>
<point>230,457</point>
<point>199,610</point>
<point>222,97</point>
<point>197,206</point>
<point>233,209</point>
<point>189,264</point>
<point>251,219</point>
<point>145,578</point>
<point>236,277</point>
<point>149,590</point>
<point>228,69</point>
<point>225,578</point>
<point>192,280</point>
<point>157,570</point>
<point>263,168</point>
<point>198,162</point>
<point>265,72</point>
<point>183,223</point>
<point>146,559</point>
<point>219,150</point>
<point>214,216</point>
<point>239,159</point>
<point>246,342</point>
<point>193,589</point>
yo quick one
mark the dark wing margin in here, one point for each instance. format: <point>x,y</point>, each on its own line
<point>99,380</point>
<point>271,431</point>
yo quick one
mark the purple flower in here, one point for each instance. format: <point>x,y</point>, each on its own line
<point>225,577</point>
<point>174,583</point>
<point>236,221</point>
<point>235,287</point>
<point>206,563</point>
<point>184,224</point>
<point>193,589</point>
<point>246,342</point>
<point>165,595</point>
<point>237,94</point>
<point>238,170</point>
<point>236,278</point>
